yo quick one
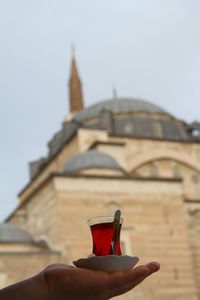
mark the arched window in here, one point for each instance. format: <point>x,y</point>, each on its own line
<point>176,171</point>
<point>153,170</point>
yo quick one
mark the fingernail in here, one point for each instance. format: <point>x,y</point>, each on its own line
<point>153,266</point>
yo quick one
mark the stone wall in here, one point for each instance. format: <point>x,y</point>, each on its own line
<point>154,228</point>
<point>40,216</point>
<point>156,224</point>
<point>56,165</point>
<point>192,210</point>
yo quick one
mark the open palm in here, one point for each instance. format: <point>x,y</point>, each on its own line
<point>64,282</point>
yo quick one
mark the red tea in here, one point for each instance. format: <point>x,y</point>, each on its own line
<point>102,235</point>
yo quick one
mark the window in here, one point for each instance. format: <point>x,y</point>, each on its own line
<point>176,172</point>
<point>153,170</point>
<point>195,179</point>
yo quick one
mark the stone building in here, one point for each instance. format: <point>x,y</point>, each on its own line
<point>120,152</point>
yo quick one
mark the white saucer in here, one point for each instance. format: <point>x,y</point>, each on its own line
<point>108,263</point>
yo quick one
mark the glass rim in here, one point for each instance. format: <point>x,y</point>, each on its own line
<point>102,219</point>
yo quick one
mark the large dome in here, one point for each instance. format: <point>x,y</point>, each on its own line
<point>126,117</point>
<point>133,118</point>
<point>120,117</point>
<point>118,106</point>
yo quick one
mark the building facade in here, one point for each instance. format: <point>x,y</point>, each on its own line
<point>118,153</point>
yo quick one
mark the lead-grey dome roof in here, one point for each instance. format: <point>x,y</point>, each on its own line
<point>120,117</point>
<point>119,105</point>
<point>90,159</point>
<point>11,233</point>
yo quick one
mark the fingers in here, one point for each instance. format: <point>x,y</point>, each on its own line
<point>153,267</point>
<point>130,279</point>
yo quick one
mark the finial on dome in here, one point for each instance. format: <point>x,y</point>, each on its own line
<point>73,50</point>
<point>114,92</point>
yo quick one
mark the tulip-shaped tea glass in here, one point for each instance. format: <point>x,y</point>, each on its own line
<point>106,239</point>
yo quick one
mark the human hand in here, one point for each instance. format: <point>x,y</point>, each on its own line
<point>64,282</point>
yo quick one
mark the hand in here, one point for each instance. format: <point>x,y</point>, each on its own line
<point>62,282</point>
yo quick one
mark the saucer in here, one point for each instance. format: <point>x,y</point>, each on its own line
<point>108,263</point>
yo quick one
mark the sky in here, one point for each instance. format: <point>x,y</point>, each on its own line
<point>145,48</point>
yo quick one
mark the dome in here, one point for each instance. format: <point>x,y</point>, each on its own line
<point>133,118</point>
<point>90,159</point>
<point>10,233</point>
<point>119,105</point>
<point>120,117</point>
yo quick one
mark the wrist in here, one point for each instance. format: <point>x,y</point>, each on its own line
<point>31,289</point>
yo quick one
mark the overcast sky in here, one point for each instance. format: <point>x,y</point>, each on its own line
<point>147,48</point>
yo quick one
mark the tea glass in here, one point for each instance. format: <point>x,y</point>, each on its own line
<point>102,230</point>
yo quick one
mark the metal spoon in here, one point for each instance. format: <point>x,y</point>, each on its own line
<point>116,226</point>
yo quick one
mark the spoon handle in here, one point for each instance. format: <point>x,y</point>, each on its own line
<point>116,226</point>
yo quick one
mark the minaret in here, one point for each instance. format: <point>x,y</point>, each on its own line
<point>75,90</point>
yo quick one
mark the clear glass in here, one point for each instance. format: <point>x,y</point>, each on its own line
<point>104,240</point>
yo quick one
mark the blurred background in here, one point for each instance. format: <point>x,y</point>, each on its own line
<point>145,48</point>
<point>102,97</point>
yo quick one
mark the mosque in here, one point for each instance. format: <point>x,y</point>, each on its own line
<point>122,153</point>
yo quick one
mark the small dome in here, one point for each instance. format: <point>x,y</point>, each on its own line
<point>119,105</point>
<point>90,159</point>
<point>11,233</point>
